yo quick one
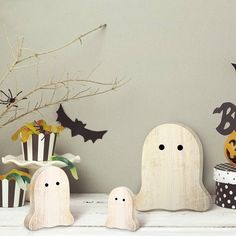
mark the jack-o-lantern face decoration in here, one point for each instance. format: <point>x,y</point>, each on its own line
<point>230,148</point>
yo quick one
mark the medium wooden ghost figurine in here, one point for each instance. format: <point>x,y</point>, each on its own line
<point>121,212</point>
<point>172,163</point>
<point>49,199</point>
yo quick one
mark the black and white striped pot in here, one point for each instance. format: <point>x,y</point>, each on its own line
<point>11,195</point>
<point>225,177</point>
<point>39,147</point>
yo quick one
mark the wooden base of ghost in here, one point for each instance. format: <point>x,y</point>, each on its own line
<point>121,212</point>
<point>49,199</point>
<point>172,164</point>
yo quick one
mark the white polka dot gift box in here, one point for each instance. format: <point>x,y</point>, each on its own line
<point>225,177</point>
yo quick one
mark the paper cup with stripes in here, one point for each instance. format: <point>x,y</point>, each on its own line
<point>39,147</point>
<point>225,177</point>
<point>11,195</point>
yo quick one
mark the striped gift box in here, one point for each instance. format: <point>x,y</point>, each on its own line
<point>225,177</point>
<point>39,147</point>
<point>11,195</point>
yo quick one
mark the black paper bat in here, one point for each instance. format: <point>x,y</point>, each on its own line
<point>78,127</point>
<point>234,65</point>
<point>228,119</point>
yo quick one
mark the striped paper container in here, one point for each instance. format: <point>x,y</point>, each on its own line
<point>39,147</point>
<point>225,177</point>
<point>11,195</point>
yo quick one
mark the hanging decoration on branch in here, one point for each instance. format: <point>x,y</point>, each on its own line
<point>77,127</point>
<point>10,99</point>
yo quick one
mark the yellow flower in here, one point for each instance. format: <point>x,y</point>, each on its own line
<point>35,127</point>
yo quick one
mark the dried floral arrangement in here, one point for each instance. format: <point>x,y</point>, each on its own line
<point>15,106</point>
<point>36,127</point>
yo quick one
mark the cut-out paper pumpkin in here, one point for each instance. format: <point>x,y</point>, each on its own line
<point>172,163</point>
<point>230,148</point>
<point>49,199</point>
<point>121,212</point>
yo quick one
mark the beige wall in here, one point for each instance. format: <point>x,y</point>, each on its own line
<point>177,53</point>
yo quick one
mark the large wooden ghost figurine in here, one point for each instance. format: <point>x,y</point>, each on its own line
<point>172,163</point>
<point>121,212</point>
<point>49,199</point>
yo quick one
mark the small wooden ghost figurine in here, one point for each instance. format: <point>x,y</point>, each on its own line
<point>121,212</point>
<point>49,199</point>
<point>172,163</point>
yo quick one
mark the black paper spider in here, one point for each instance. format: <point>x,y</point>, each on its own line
<point>10,99</point>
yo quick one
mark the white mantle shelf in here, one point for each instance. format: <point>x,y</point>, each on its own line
<point>90,212</point>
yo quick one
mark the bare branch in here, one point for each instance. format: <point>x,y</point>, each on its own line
<point>64,99</point>
<point>48,90</point>
<point>9,43</point>
<point>63,46</point>
<point>52,85</point>
<point>17,58</point>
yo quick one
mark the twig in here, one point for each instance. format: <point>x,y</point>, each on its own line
<point>17,58</point>
<point>63,46</point>
<point>26,66</point>
<point>54,85</point>
<point>50,85</point>
<point>9,43</point>
<point>64,99</point>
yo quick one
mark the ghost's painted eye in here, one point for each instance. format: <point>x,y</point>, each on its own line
<point>57,183</point>
<point>46,185</point>
<point>123,200</point>
<point>180,147</point>
<point>116,198</point>
<point>161,147</point>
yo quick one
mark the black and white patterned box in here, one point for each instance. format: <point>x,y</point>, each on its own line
<point>225,177</point>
